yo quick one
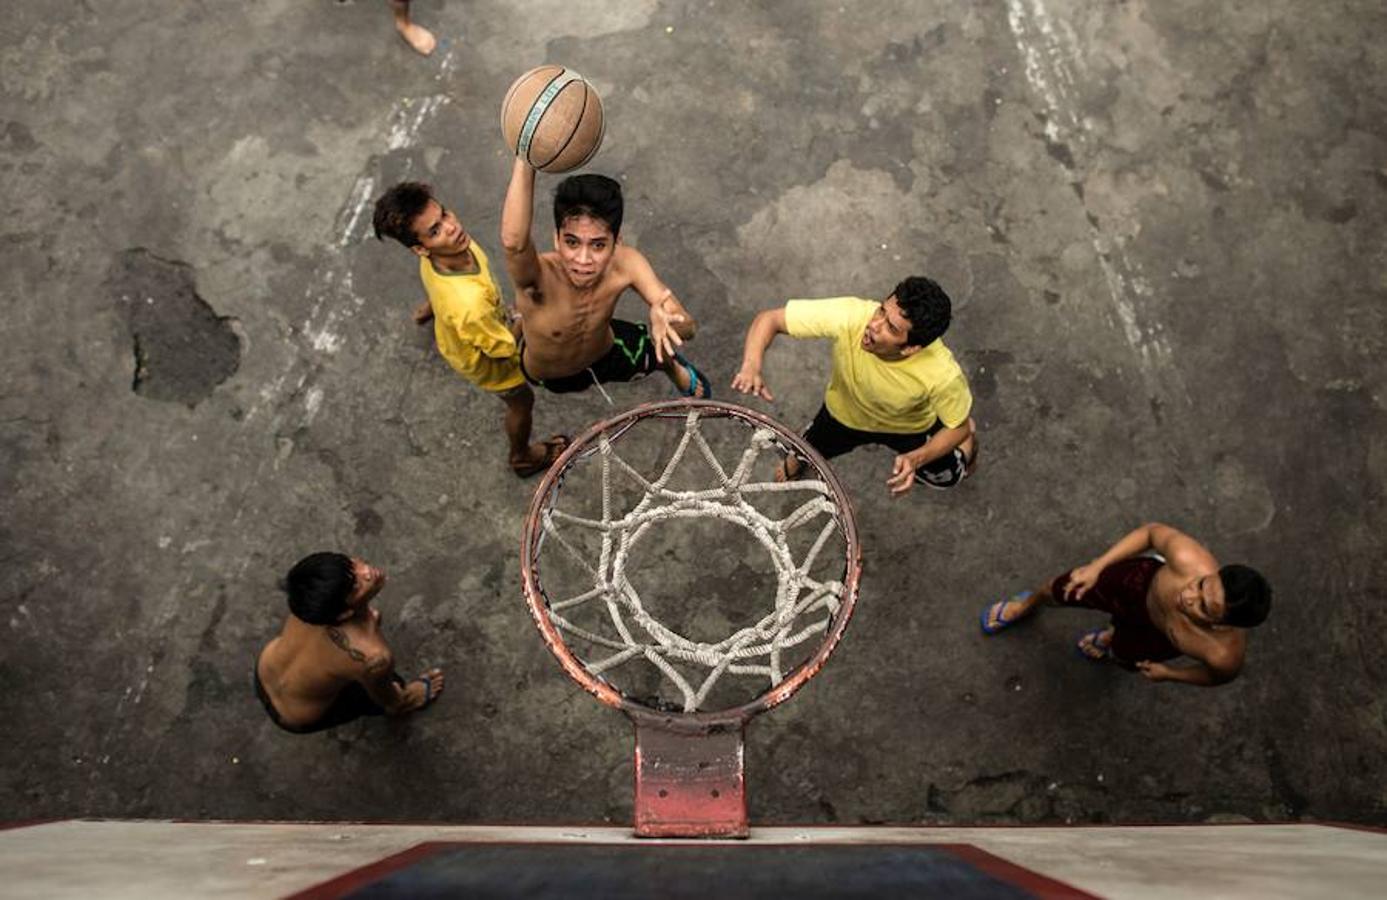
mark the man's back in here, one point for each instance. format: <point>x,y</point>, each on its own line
<point>305,668</point>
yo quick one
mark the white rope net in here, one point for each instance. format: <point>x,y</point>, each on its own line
<point>803,606</point>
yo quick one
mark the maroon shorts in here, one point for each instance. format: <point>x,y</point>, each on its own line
<point>1121,593</point>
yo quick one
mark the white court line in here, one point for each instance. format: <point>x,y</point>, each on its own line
<point>329,288</point>
<point>1051,58</point>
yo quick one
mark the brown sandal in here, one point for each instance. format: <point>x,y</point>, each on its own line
<point>553,449</point>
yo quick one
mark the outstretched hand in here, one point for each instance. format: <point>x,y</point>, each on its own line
<point>749,381</point>
<point>902,475</point>
<point>667,340</point>
<point>1080,580</point>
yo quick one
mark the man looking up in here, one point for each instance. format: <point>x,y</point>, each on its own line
<point>567,296</point>
<point>1174,602</point>
<point>470,324</point>
<point>330,663</point>
<point>893,383</point>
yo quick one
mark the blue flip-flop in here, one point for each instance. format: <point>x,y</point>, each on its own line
<point>1093,633</point>
<point>695,379</point>
<point>428,690</point>
<point>1002,624</point>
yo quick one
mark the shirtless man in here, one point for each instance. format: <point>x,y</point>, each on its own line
<point>567,296</point>
<point>330,663</point>
<point>1178,603</point>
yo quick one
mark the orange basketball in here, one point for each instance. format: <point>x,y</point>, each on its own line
<point>552,118</point>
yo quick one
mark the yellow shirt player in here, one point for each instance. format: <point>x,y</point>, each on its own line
<point>470,322</point>
<point>893,383</point>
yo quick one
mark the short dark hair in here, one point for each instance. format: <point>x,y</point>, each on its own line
<point>318,587</point>
<point>596,196</point>
<point>397,209</point>
<point>1246,596</point>
<point>928,308</point>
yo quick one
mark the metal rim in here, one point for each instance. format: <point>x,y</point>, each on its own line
<point>599,688</point>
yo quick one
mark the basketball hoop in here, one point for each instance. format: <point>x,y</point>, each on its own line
<point>688,758</point>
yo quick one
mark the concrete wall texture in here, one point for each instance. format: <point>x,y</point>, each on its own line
<point>1161,224</point>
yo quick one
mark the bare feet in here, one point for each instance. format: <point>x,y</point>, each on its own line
<point>426,688</point>
<point>417,36</point>
<point>423,313</point>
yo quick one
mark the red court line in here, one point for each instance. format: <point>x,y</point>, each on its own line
<point>1018,876</point>
<point>358,878</point>
<point>1352,826</point>
<point>28,823</point>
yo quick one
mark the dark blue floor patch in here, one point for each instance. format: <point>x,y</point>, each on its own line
<point>725,872</point>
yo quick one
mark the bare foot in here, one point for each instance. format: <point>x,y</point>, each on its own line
<point>430,686</point>
<point>423,313</point>
<point>418,37</point>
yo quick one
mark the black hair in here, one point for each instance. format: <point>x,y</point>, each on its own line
<point>596,196</point>
<point>397,209</point>
<point>318,587</point>
<point>924,303</point>
<point>1246,596</point>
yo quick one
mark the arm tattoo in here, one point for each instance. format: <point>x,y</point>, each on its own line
<point>345,644</point>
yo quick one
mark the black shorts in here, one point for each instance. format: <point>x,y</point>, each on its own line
<point>832,438</point>
<point>631,357</point>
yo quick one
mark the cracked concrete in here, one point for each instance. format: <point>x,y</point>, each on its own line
<point>1161,225</point>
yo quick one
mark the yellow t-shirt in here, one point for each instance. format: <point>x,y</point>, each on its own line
<point>469,324</point>
<point>866,392</point>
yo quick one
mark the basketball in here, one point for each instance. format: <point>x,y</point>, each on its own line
<point>552,118</point>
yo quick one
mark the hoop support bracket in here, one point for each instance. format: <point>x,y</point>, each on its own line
<point>690,785</point>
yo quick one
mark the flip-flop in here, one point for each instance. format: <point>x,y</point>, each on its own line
<point>427,682</point>
<point>553,449</point>
<point>1106,648</point>
<point>987,614</point>
<point>696,378</point>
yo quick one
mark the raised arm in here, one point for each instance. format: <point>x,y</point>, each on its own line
<point>767,324</point>
<point>517,215</point>
<point>670,323</point>
<point>1180,550</point>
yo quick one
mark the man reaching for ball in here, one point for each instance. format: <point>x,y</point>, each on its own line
<point>894,382</point>
<point>567,297</point>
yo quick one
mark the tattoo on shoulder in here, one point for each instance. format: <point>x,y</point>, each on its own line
<point>345,644</point>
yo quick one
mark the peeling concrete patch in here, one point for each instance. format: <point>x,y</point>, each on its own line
<point>182,348</point>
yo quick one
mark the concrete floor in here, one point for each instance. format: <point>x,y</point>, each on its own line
<point>1161,224</point>
<point>155,860</point>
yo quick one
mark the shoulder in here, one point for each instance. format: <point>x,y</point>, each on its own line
<point>827,312</point>
<point>1184,555</point>
<point>379,663</point>
<point>1224,657</point>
